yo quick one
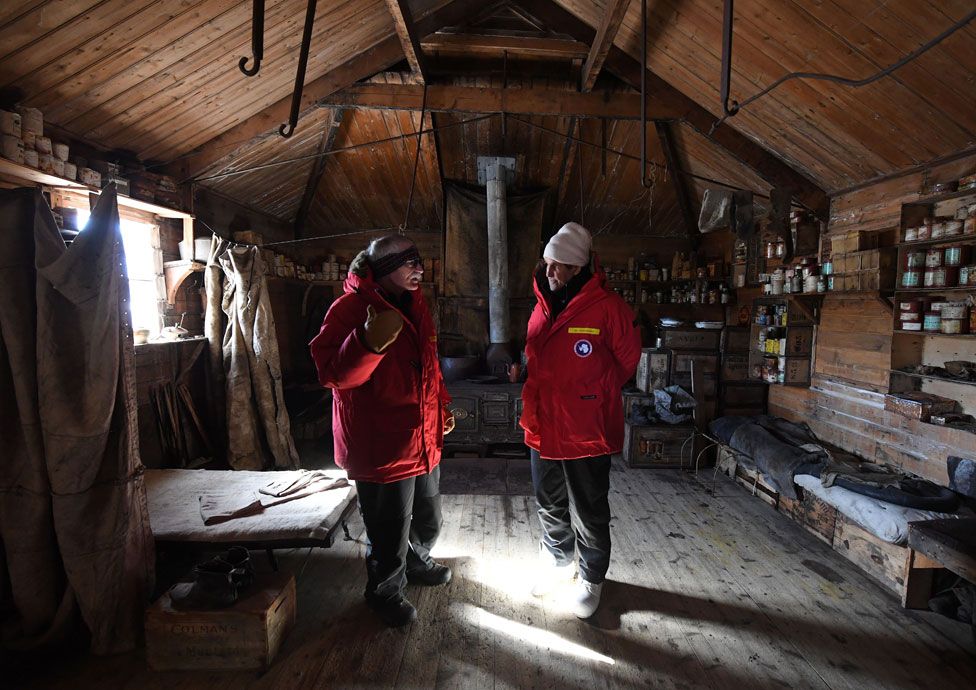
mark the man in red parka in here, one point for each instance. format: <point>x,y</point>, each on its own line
<point>582,345</point>
<point>377,350</point>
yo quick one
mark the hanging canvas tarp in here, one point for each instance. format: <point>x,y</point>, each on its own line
<point>73,491</point>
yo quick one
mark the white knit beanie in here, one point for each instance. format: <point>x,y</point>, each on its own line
<point>570,246</point>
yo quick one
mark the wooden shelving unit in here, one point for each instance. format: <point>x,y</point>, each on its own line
<point>913,348</point>
<point>793,364</point>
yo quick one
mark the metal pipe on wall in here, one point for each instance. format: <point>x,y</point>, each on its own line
<point>498,318</point>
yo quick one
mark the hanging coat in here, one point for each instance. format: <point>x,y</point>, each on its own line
<point>577,365</point>
<point>387,408</point>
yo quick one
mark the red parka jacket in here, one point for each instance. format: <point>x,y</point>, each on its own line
<point>387,409</point>
<point>577,365</point>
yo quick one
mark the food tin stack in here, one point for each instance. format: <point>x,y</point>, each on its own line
<point>910,314</point>
<point>954,318</point>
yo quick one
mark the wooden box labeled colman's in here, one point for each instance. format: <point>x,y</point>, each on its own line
<point>658,446</point>
<point>246,635</point>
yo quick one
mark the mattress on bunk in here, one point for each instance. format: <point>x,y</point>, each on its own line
<point>176,496</point>
<point>884,520</point>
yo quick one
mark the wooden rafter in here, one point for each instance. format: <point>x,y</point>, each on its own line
<point>569,161</point>
<point>467,99</point>
<point>613,16</point>
<point>226,146</point>
<point>680,185</point>
<point>318,168</point>
<point>407,33</point>
<point>666,97</point>
<point>494,46</point>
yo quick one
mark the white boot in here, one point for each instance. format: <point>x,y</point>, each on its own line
<point>549,575</point>
<point>586,599</point>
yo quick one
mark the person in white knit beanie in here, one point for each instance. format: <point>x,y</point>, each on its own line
<point>582,345</point>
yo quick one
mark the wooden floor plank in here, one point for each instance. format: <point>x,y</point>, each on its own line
<point>708,587</point>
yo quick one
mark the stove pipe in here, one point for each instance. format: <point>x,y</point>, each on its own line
<point>495,174</point>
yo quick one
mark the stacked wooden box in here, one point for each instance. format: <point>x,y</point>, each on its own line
<point>738,393</point>
<point>653,445</point>
<point>859,265</point>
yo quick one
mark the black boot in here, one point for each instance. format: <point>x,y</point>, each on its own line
<point>396,612</point>
<point>433,576</point>
<point>243,570</point>
<point>212,588</point>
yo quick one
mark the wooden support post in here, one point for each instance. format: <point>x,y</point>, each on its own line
<point>315,174</point>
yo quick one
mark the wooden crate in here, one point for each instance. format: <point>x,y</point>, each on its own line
<point>653,368</point>
<point>657,446</point>
<point>885,562</point>
<point>709,383</point>
<point>816,516</point>
<point>246,635</point>
<point>735,339</point>
<point>799,341</point>
<point>691,338</point>
<point>735,367</point>
<point>639,398</point>
<point>681,362</point>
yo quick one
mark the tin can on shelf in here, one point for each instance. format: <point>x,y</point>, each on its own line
<point>955,326</point>
<point>915,260</point>
<point>964,275</point>
<point>925,230</point>
<point>934,257</point>
<point>953,228</point>
<point>956,255</point>
<point>969,225</point>
<point>911,325</point>
<point>932,322</point>
<point>938,230</point>
<point>911,234</point>
<point>910,316</point>
<point>908,279</point>
<point>954,310</point>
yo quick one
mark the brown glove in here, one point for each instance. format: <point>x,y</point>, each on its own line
<point>449,422</point>
<point>382,328</point>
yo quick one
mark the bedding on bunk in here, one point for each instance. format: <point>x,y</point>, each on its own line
<point>243,506</point>
<point>884,520</point>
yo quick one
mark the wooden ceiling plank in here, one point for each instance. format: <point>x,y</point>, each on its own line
<point>465,99</point>
<point>406,31</point>
<point>265,123</point>
<point>629,69</point>
<point>317,169</point>
<point>613,15</point>
<point>128,68</point>
<point>495,46</point>
<point>678,180</point>
<point>39,22</point>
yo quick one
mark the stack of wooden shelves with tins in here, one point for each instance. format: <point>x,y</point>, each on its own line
<point>935,316</point>
<point>738,393</point>
<point>780,341</point>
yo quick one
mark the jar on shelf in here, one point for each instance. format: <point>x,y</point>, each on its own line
<point>932,322</point>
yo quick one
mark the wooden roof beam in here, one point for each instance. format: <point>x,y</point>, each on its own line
<point>318,169</point>
<point>496,46</point>
<point>680,184</point>
<point>467,99</point>
<point>613,16</point>
<point>663,96</point>
<point>407,33</point>
<point>226,146</point>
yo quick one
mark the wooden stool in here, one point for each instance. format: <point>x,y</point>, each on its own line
<point>934,544</point>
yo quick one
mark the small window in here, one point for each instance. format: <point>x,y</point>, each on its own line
<point>141,267</point>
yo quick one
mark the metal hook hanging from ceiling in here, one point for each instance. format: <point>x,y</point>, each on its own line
<point>288,129</point>
<point>728,109</point>
<point>257,40</point>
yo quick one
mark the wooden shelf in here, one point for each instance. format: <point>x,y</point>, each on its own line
<point>954,239</point>
<point>935,334</point>
<point>22,172</point>
<point>176,272</point>
<point>934,378</point>
<point>929,291</point>
<point>945,196</point>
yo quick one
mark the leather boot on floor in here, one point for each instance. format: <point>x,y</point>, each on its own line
<point>212,587</point>
<point>395,613</point>
<point>435,575</point>
<point>242,572</point>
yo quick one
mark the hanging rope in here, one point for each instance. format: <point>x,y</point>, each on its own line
<point>416,160</point>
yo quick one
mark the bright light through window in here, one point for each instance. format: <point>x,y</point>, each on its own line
<point>139,262</point>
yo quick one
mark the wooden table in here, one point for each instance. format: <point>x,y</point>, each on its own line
<point>934,544</point>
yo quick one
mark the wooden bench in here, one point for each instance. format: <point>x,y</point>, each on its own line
<point>935,544</point>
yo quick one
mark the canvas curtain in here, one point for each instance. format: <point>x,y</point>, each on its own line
<point>74,522</point>
<point>244,352</point>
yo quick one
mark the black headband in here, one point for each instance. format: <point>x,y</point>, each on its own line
<point>391,262</point>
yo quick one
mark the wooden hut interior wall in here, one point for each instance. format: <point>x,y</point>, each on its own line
<point>806,251</point>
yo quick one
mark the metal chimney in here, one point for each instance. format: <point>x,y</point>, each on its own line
<point>496,173</point>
